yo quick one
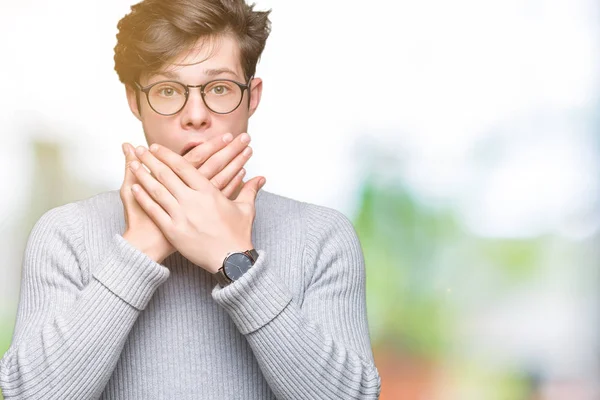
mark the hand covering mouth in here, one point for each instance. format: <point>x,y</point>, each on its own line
<point>188,147</point>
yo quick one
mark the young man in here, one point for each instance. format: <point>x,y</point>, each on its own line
<point>199,285</point>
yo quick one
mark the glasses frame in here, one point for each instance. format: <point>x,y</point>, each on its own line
<point>243,87</point>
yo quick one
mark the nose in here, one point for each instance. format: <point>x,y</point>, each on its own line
<point>195,114</point>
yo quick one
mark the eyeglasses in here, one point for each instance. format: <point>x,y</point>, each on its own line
<point>221,96</point>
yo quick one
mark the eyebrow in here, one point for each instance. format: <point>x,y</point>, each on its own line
<point>207,72</point>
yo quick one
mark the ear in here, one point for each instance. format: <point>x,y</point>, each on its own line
<point>133,101</point>
<point>256,91</point>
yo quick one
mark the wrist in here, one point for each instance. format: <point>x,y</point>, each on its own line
<point>142,245</point>
<point>218,263</point>
<point>236,264</point>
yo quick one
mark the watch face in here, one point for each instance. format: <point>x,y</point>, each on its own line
<point>236,264</point>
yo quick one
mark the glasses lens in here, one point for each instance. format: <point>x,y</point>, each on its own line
<point>222,96</point>
<point>167,97</point>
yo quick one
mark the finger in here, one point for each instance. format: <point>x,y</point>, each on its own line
<point>250,190</point>
<point>129,178</point>
<point>156,190</point>
<point>201,153</point>
<point>229,190</point>
<point>173,171</point>
<point>129,203</point>
<point>218,161</point>
<point>162,172</point>
<point>125,191</point>
<point>154,210</point>
<point>232,169</point>
<point>127,154</point>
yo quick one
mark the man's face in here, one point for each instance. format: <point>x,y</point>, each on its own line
<point>195,123</point>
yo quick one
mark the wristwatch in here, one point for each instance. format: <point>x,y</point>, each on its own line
<point>235,265</point>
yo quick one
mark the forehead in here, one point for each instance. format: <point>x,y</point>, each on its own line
<point>208,58</point>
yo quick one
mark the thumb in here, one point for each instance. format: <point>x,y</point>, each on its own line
<point>250,190</point>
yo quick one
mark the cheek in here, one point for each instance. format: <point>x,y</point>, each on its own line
<point>159,129</point>
<point>238,121</point>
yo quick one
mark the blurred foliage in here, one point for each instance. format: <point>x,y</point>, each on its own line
<point>5,337</point>
<point>425,274</point>
<point>402,241</point>
<point>416,256</point>
<point>517,259</point>
<point>467,380</point>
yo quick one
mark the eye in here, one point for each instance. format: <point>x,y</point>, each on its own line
<point>167,91</point>
<point>219,89</point>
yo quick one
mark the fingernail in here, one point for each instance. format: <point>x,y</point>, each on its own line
<point>124,147</point>
<point>228,137</point>
<point>128,150</point>
<point>262,182</point>
<point>245,138</point>
<point>140,150</point>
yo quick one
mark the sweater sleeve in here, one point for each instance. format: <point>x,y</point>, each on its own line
<point>69,334</point>
<point>319,349</point>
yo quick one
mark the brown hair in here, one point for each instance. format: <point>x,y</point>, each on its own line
<point>156,31</point>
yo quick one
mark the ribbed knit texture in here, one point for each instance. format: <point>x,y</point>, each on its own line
<point>98,319</point>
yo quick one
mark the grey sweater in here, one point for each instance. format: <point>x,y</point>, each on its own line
<point>97,318</point>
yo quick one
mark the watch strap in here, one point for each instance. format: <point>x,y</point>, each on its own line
<point>222,278</point>
<point>252,253</point>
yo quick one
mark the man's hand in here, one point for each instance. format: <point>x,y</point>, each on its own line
<point>222,162</point>
<point>199,220</point>
<point>220,165</point>
<point>140,230</point>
